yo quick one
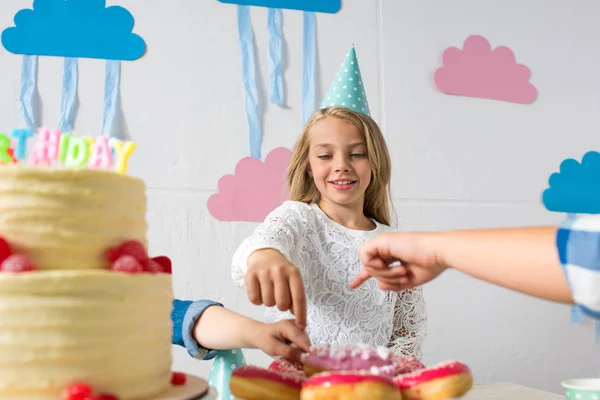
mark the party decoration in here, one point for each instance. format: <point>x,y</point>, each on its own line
<point>309,43</point>
<point>69,94</point>
<point>478,71</point>
<point>254,190</point>
<point>247,46</point>
<point>347,89</point>
<point>226,361</point>
<point>51,147</point>
<point>325,6</point>
<point>576,188</point>
<point>74,28</point>
<point>249,78</point>
<point>275,62</point>
<point>27,101</point>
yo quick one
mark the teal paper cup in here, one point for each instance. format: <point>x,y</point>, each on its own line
<point>582,389</point>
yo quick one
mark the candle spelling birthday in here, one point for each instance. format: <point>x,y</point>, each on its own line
<point>51,147</point>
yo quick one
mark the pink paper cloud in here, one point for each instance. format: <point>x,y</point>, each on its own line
<point>254,190</point>
<point>479,71</point>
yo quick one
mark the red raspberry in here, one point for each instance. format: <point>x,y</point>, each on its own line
<point>5,250</point>
<point>151,266</point>
<point>77,391</point>
<point>112,254</point>
<point>134,248</point>
<point>165,263</point>
<point>178,378</point>
<point>103,396</point>
<point>17,263</point>
<point>127,264</point>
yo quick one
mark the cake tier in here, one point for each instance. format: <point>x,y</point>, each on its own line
<point>109,329</point>
<point>68,218</point>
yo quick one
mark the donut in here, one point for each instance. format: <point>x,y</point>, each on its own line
<point>441,381</point>
<point>343,385</point>
<point>255,383</point>
<point>376,361</point>
<point>288,367</point>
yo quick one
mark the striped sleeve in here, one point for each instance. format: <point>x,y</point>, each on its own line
<point>578,243</point>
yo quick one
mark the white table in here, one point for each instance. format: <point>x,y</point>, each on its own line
<point>508,391</point>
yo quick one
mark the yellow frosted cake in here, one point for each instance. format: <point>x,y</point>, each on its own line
<point>80,301</point>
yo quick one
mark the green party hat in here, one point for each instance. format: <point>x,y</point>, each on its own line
<point>347,89</point>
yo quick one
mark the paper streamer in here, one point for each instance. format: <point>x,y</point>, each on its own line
<point>576,314</point>
<point>69,94</point>
<point>111,95</point>
<point>28,86</point>
<point>308,73</point>
<point>249,78</point>
<point>275,44</point>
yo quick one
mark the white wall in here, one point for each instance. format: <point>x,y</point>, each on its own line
<point>457,162</point>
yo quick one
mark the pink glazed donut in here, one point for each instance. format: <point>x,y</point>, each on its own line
<point>441,381</point>
<point>376,361</point>
<point>288,367</point>
<point>342,385</point>
<point>255,383</point>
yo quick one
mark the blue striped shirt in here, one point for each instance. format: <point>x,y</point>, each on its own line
<point>578,243</point>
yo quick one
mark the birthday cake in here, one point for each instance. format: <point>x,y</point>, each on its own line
<point>83,309</point>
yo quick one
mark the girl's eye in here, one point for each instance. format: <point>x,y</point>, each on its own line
<point>325,157</point>
<point>357,155</point>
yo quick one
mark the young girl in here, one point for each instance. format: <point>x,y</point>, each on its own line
<point>304,255</point>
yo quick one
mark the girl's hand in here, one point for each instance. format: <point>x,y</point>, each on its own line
<point>281,338</point>
<point>273,280</point>
<point>416,255</point>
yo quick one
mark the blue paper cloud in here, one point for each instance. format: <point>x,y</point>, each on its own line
<point>74,28</point>
<point>326,6</point>
<point>576,188</point>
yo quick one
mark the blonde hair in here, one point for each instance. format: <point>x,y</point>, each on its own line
<point>377,196</point>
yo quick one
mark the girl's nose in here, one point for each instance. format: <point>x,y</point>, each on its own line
<point>342,165</point>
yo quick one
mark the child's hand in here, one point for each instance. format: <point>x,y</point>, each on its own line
<point>273,280</point>
<point>281,338</point>
<point>418,254</point>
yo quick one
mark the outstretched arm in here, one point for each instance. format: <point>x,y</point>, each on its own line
<point>522,259</point>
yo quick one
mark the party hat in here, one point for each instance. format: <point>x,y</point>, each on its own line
<point>225,363</point>
<point>347,89</point>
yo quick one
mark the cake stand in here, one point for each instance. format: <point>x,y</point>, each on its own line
<point>195,388</point>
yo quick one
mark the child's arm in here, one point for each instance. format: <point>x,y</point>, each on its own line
<point>410,323</point>
<point>522,259</point>
<point>204,326</point>
<point>261,262</point>
<point>220,328</point>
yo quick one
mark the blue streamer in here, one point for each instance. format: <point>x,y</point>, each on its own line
<point>111,95</point>
<point>308,73</point>
<point>27,92</point>
<point>69,94</point>
<point>275,44</point>
<point>249,78</point>
<point>576,314</point>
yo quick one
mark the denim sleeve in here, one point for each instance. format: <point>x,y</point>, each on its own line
<point>578,244</point>
<point>184,315</point>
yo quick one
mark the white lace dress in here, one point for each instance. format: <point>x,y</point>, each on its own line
<point>326,254</point>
